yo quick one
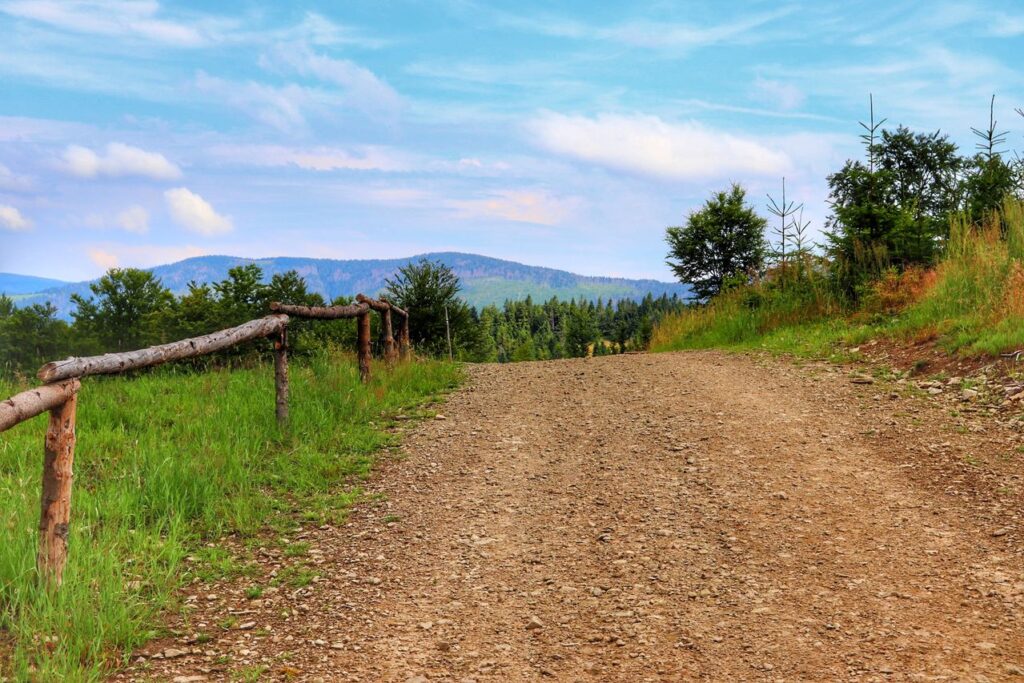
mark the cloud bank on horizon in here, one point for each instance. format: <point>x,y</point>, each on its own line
<point>137,132</point>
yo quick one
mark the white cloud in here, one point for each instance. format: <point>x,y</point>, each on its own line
<point>520,206</point>
<point>116,18</point>
<point>362,88</point>
<point>362,158</point>
<point>119,160</point>
<point>650,146</point>
<point>194,213</point>
<point>777,94</point>
<point>134,219</point>
<point>11,219</point>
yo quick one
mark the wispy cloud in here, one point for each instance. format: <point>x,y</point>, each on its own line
<point>108,256</point>
<point>12,219</point>
<point>650,146</point>
<point>118,161</point>
<point>356,158</point>
<point>644,34</point>
<point>362,88</point>
<point>133,219</point>
<point>778,94</point>
<point>13,182</point>
<point>282,107</point>
<point>115,18</point>
<point>195,214</point>
<point>519,206</point>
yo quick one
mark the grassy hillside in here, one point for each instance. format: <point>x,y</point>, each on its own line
<point>971,303</point>
<point>165,463</point>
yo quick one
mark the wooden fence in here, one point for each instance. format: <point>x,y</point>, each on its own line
<point>61,382</point>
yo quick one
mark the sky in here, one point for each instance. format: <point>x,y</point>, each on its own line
<point>568,135</point>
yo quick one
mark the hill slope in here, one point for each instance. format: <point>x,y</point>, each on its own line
<point>485,280</point>
<point>11,283</point>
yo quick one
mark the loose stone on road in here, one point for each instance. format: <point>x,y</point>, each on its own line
<point>694,516</point>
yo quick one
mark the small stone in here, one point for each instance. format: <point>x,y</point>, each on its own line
<point>247,626</point>
<point>439,416</point>
<point>337,646</point>
<point>172,653</point>
<point>426,625</point>
<point>534,623</point>
<point>1013,669</point>
<point>1001,532</point>
<point>416,679</point>
<point>862,379</point>
<point>985,646</point>
<point>189,679</point>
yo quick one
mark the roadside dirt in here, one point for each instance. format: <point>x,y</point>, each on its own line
<point>672,517</point>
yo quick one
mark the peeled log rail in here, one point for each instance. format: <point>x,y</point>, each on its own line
<point>28,404</point>
<point>112,363</point>
<point>321,312</point>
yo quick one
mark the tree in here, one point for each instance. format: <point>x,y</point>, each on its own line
<point>429,291</point>
<point>580,332</point>
<point>29,336</point>
<point>722,241</point>
<point>125,314</point>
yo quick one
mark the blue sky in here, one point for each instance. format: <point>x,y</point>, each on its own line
<point>569,135</point>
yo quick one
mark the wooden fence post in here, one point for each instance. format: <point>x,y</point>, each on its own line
<point>405,347</point>
<point>390,348</point>
<point>364,346</point>
<point>55,516</point>
<point>281,375</point>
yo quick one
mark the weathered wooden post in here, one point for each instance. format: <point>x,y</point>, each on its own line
<point>281,375</point>
<point>390,348</point>
<point>405,347</point>
<point>364,345</point>
<point>55,516</point>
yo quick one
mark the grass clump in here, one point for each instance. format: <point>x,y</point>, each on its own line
<point>166,463</point>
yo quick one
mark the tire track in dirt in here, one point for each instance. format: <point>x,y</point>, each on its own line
<point>666,517</point>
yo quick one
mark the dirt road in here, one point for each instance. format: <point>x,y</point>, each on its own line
<point>657,518</point>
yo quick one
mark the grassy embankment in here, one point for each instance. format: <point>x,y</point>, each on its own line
<point>971,303</point>
<point>166,462</point>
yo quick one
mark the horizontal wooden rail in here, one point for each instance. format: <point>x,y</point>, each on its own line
<point>320,312</point>
<point>37,401</point>
<point>59,396</point>
<point>113,363</point>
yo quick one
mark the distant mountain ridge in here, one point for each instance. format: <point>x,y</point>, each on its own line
<point>485,280</point>
<point>12,283</point>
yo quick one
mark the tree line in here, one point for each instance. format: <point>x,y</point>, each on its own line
<point>130,309</point>
<point>890,211</point>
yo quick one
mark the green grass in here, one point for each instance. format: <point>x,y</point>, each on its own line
<point>165,464</point>
<point>971,304</point>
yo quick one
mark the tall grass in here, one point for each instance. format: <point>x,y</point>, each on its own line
<point>972,303</point>
<point>164,462</point>
<point>976,305</point>
<point>744,316</point>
